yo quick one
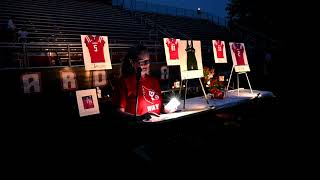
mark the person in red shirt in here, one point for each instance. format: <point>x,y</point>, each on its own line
<point>149,91</point>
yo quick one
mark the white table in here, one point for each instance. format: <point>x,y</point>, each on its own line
<point>198,104</point>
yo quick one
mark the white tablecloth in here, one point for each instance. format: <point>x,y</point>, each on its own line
<point>199,104</point>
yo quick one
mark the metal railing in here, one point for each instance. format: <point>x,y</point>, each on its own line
<point>25,55</point>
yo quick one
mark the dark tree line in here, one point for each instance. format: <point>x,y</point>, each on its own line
<point>261,16</point>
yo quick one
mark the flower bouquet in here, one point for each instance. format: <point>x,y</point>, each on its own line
<point>215,84</point>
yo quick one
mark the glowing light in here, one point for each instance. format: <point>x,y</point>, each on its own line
<point>173,104</point>
<point>259,95</point>
<point>87,74</point>
<point>177,84</point>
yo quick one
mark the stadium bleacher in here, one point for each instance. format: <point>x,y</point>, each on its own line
<point>62,22</point>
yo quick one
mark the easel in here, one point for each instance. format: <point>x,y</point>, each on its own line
<point>185,92</point>
<point>238,80</point>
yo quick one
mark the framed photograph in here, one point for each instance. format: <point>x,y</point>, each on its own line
<point>87,102</point>
<point>219,51</point>
<point>239,57</point>
<point>96,53</point>
<point>190,59</point>
<point>171,49</point>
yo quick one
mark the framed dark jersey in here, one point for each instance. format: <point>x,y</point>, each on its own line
<point>190,59</point>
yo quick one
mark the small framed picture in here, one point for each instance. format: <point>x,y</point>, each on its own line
<point>87,102</point>
<point>221,78</point>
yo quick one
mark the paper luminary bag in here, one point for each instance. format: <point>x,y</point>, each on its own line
<point>96,53</point>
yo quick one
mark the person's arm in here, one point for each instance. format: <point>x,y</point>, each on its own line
<point>130,117</point>
<point>164,109</point>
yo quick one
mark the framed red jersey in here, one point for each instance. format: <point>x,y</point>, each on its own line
<point>239,57</point>
<point>171,48</point>
<point>96,53</point>
<point>219,51</point>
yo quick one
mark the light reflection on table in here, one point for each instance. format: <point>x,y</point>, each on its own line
<point>198,104</point>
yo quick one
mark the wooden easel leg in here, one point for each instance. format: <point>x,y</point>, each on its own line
<point>204,92</point>
<point>180,88</point>
<point>249,83</point>
<point>229,80</point>
<point>238,82</point>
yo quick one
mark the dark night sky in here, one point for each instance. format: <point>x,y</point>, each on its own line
<point>216,7</point>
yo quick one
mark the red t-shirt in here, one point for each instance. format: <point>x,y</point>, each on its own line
<point>219,49</point>
<point>95,45</point>
<point>238,52</point>
<point>149,98</point>
<point>173,48</point>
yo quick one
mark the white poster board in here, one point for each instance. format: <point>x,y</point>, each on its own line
<point>171,49</point>
<point>219,51</point>
<point>239,57</point>
<point>96,53</point>
<point>87,102</point>
<point>190,59</point>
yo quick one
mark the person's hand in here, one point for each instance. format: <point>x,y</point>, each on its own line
<point>147,116</point>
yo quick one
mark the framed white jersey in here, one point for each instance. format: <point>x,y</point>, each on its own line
<point>219,51</point>
<point>171,48</point>
<point>96,53</point>
<point>239,57</point>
